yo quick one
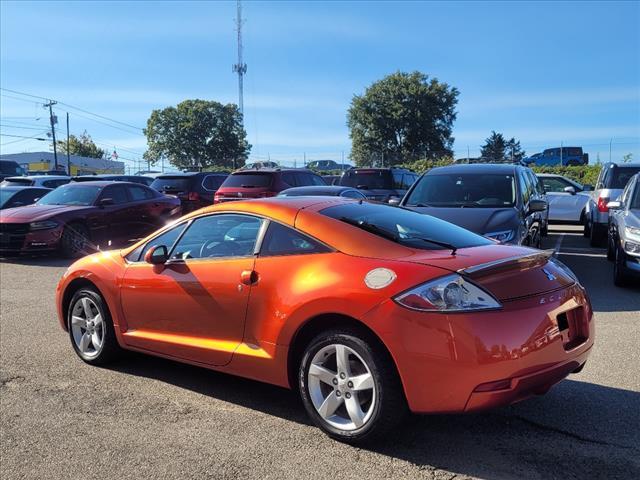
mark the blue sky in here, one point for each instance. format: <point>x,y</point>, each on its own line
<point>545,72</point>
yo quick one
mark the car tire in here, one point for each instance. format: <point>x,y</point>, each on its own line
<point>74,241</point>
<point>611,245</point>
<point>620,275</point>
<point>596,234</point>
<point>91,328</point>
<point>587,228</point>
<point>350,411</point>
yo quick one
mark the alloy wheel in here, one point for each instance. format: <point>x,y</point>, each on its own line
<point>341,387</point>
<point>87,327</point>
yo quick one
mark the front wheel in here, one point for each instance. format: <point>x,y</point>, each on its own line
<point>74,241</point>
<point>350,387</point>
<point>620,275</point>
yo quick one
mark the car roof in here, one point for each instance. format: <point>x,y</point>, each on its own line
<point>379,169</point>
<point>100,183</point>
<point>319,188</point>
<point>271,170</point>
<point>189,174</point>
<point>16,188</point>
<point>36,177</point>
<point>499,168</point>
<point>621,165</point>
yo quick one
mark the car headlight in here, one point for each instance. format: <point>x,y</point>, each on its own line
<point>451,293</point>
<point>502,236</point>
<point>44,225</point>
<point>632,248</point>
<point>632,232</point>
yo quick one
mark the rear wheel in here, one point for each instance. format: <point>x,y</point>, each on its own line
<point>596,235</point>
<point>350,387</point>
<point>91,328</point>
<point>75,240</point>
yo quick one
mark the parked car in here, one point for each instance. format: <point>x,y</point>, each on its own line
<point>194,189</point>
<point>77,218</point>
<point>17,196</point>
<point>365,309</point>
<point>380,184</point>
<point>325,165</point>
<point>46,181</point>
<point>567,199</point>
<point>264,183</point>
<point>260,164</point>
<point>623,246</point>
<point>505,202</point>
<point>323,191</point>
<point>141,179</point>
<point>9,168</point>
<point>611,181</point>
<point>567,156</point>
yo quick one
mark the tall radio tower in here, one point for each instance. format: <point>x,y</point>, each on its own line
<point>240,67</point>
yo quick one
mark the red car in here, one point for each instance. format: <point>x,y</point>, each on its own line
<point>80,217</point>
<point>365,309</point>
<point>264,182</point>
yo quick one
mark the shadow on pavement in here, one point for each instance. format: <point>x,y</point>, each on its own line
<point>38,260</point>
<point>578,430</point>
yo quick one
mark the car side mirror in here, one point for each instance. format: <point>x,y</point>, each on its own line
<point>587,188</point>
<point>157,255</point>
<point>570,190</point>
<point>615,205</point>
<point>537,206</point>
<point>105,202</point>
<point>394,201</point>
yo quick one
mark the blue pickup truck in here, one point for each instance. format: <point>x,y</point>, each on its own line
<point>570,156</point>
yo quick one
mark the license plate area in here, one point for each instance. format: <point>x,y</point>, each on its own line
<point>573,327</point>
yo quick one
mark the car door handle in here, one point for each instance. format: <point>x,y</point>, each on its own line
<point>249,277</point>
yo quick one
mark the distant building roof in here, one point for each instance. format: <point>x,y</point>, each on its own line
<point>77,160</point>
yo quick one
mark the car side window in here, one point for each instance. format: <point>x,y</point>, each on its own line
<point>408,179</point>
<point>117,193</point>
<point>316,179</point>
<point>281,240</point>
<point>218,236</point>
<point>167,239</point>
<point>555,185</point>
<point>212,182</point>
<point>353,194</point>
<point>397,181</point>
<point>525,191</point>
<point>139,193</point>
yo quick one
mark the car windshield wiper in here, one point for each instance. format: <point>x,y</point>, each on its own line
<point>371,228</point>
<point>453,248</point>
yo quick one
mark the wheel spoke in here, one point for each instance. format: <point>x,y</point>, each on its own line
<point>78,322</point>
<point>86,305</point>
<point>84,342</point>
<point>323,374</point>
<point>97,321</point>
<point>362,382</point>
<point>96,341</point>
<point>342,359</point>
<point>353,409</point>
<point>330,405</point>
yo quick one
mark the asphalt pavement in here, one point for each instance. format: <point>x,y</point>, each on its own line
<point>150,418</point>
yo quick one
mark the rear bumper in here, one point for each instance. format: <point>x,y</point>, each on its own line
<point>467,362</point>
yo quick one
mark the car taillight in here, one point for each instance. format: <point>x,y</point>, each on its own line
<point>602,204</point>
<point>268,194</point>
<point>193,196</point>
<point>216,197</point>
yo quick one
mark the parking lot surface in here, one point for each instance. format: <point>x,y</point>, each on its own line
<point>150,418</point>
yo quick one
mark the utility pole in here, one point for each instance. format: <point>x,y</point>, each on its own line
<point>240,68</point>
<point>468,156</point>
<point>610,142</point>
<point>68,154</point>
<point>561,152</point>
<point>53,121</point>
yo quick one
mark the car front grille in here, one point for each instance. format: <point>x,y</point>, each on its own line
<point>12,235</point>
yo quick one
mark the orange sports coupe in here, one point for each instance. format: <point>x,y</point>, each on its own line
<point>368,310</point>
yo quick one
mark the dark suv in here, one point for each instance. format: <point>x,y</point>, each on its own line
<point>501,201</point>
<point>265,182</point>
<point>379,184</point>
<point>194,189</point>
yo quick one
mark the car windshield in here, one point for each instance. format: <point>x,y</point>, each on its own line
<point>635,201</point>
<point>5,195</point>
<point>622,175</point>
<point>72,195</point>
<point>248,180</point>
<point>404,226</point>
<point>464,190</point>
<point>367,179</point>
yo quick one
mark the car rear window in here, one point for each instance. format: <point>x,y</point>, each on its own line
<point>248,180</point>
<point>621,176</point>
<point>368,179</point>
<point>408,228</point>
<point>171,184</point>
<point>17,181</point>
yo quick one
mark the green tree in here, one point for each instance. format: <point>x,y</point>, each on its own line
<point>494,147</point>
<point>403,117</point>
<point>627,158</point>
<point>514,152</point>
<point>82,145</point>
<point>197,134</point>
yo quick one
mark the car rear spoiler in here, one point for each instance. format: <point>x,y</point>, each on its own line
<point>523,262</point>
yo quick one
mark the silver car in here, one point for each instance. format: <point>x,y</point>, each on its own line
<point>623,246</point>
<point>567,198</point>
<point>611,181</point>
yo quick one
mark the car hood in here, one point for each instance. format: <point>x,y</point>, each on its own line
<point>34,213</point>
<point>478,220</point>
<point>507,272</point>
